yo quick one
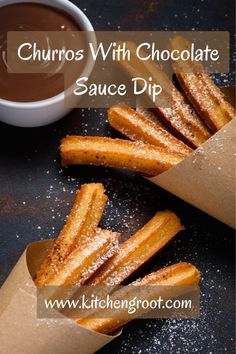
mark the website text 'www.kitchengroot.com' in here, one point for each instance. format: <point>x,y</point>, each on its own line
<point>125,302</point>
<point>132,305</point>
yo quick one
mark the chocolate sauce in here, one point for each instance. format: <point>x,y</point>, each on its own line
<point>30,17</point>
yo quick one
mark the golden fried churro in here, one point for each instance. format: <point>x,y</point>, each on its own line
<point>138,128</point>
<point>151,114</point>
<point>174,109</point>
<point>81,224</point>
<point>180,274</point>
<point>202,92</point>
<point>83,261</point>
<point>136,156</point>
<point>138,249</point>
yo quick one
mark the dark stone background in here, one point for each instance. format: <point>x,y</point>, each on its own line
<point>36,195</point>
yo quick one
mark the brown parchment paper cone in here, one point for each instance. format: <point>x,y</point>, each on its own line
<point>20,329</point>
<point>206,179</point>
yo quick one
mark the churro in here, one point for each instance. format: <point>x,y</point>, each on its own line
<point>138,128</point>
<point>180,274</point>
<point>136,156</point>
<point>138,249</point>
<point>172,107</point>
<point>83,261</point>
<point>202,92</point>
<point>151,114</point>
<point>80,226</point>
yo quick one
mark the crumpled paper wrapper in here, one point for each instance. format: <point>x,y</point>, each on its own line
<point>206,179</point>
<point>20,329</point>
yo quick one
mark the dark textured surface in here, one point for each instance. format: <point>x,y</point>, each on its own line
<point>36,194</point>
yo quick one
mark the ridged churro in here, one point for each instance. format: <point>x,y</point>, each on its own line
<point>138,249</point>
<point>172,107</point>
<point>81,224</point>
<point>83,261</point>
<point>202,92</point>
<point>151,114</point>
<point>136,156</point>
<point>180,274</point>
<point>138,128</point>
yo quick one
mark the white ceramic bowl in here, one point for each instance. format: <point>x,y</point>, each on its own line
<point>39,113</point>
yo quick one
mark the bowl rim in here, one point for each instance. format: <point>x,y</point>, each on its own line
<point>80,17</point>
